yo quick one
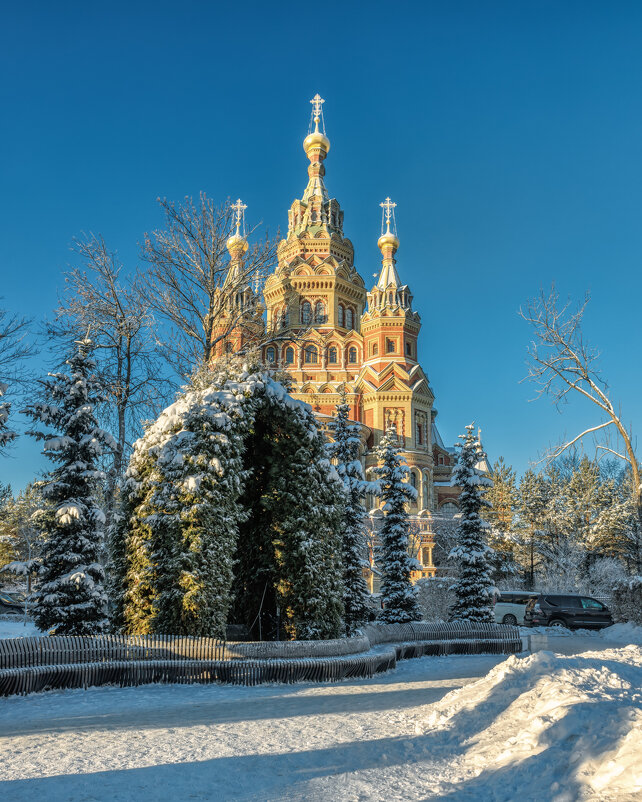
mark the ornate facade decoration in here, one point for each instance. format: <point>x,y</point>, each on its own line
<point>332,337</point>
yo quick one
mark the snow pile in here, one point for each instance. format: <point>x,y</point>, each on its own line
<point>623,633</point>
<point>548,727</point>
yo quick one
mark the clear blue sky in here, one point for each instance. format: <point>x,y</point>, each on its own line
<point>509,133</point>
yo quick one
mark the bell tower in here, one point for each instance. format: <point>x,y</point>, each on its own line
<point>390,327</point>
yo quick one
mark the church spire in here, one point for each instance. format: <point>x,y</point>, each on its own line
<point>316,146</point>
<point>237,245</point>
<point>389,292</point>
<point>388,244</point>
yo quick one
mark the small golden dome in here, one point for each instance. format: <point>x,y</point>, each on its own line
<point>237,244</point>
<point>388,239</point>
<point>316,140</point>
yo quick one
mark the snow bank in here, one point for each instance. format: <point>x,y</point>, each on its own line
<point>623,633</point>
<point>548,727</point>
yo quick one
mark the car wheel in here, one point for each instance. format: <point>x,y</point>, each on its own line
<point>557,622</point>
<point>509,619</point>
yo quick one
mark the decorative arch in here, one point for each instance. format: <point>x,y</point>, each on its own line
<point>262,480</point>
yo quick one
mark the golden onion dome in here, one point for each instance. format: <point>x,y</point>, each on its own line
<point>388,239</point>
<point>316,140</point>
<point>237,244</point>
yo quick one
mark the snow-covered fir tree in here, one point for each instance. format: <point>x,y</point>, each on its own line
<point>6,434</point>
<point>345,450</point>
<point>71,599</point>
<point>398,595</point>
<point>473,589</point>
<point>234,448</point>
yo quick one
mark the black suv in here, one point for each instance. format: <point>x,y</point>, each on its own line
<point>574,612</point>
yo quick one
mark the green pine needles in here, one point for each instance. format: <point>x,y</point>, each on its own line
<point>230,515</point>
<point>398,594</point>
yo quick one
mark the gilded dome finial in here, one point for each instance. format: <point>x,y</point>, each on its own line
<point>388,238</point>
<point>237,244</point>
<point>317,142</point>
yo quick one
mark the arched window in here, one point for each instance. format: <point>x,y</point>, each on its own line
<point>284,317</point>
<point>349,318</point>
<point>289,356</point>
<point>306,313</point>
<point>332,355</point>
<point>352,356</point>
<point>319,312</point>
<point>341,315</point>
<point>374,350</point>
<point>449,508</point>
<point>413,479</point>
<point>228,348</point>
<point>390,346</point>
<point>441,459</point>
<point>270,354</point>
<point>310,355</point>
<point>408,349</point>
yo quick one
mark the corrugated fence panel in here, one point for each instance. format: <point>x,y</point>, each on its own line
<point>38,663</point>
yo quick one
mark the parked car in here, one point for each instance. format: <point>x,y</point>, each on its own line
<point>9,604</point>
<point>511,604</point>
<point>567,610</point>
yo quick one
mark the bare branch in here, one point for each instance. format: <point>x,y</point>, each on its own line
<point>188,264</point>
<point>562,362</point>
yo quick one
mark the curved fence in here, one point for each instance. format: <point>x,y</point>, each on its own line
<point>42,663</point>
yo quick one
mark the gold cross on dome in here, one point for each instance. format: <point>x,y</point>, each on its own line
<point>317,102</point>
<point>388,207</point>
<point>238,208</point>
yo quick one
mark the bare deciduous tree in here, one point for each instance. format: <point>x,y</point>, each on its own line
<point>102,300</point>
<point>188,265</point>
<point>562,363</point>
<point>14,350</point>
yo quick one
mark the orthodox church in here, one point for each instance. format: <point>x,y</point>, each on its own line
<point>334,338</point>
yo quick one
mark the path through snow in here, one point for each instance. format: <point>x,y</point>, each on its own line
<point>543,727</point>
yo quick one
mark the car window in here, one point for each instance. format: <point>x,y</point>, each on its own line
<point>571,601</point>
<point>505,598</point>
<point>556,601</point>
<point>521,598</point>
<point>591,604</point>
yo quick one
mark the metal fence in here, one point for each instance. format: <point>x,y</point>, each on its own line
<point>42,663</point>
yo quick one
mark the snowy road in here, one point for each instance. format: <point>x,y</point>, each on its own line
<point>537,728</point>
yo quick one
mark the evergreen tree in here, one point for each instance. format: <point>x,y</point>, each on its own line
<point>398,595</point>
<point>71,599</point>
<point>532,503</point>
<point>345,449</point>
<point>502,500</point>
<point>234,447</point>
<point>473,589</point>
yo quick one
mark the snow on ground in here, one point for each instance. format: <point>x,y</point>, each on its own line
<point>541,727</point>
<point>17,629</point>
